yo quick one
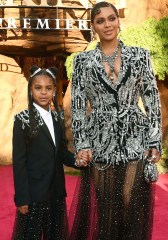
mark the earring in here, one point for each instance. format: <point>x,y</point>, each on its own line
<point>119,28</point>
<point>92,35</point>
<point>31,95</point>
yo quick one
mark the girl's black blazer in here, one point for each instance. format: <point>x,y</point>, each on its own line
<point>38,167</point>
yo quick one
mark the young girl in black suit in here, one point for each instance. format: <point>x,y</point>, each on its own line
<point>39,153</point>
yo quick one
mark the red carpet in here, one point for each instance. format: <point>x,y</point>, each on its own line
<point>7,211</point>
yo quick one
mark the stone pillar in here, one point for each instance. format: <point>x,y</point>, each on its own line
<point>13,98</point>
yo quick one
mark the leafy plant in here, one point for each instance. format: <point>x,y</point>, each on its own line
<point>152,35</point>
<point>69,59</point>
<point>69,64</point>
<point>163,163</point>
<point>165,149</point>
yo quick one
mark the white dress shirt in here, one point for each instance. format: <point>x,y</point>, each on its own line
<point>46,115</point>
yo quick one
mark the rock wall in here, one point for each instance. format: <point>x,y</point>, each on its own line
<point>163,89</point>
<point>13,98</point>
<point>67,115</point>
<point>137,11</point>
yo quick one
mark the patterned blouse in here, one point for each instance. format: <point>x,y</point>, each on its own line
<point>116,129</point>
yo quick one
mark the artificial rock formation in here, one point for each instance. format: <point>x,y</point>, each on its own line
<point>163,90</point>
<point>13,98</point>
<point>67,116</point>
<point>137,11</point>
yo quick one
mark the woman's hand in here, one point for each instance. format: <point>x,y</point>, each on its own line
<point>83,157</point>
<point>155,155</point>
<point>23,209</point>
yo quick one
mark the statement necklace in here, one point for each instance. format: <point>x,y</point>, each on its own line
<point>110,59</point>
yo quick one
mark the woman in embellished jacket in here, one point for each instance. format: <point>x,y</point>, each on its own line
<point>39,153</point>
<point>112,200</point>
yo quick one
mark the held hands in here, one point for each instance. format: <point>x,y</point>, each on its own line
<point>23,209</point>
<point>83,157</point>
<point>155,155</point>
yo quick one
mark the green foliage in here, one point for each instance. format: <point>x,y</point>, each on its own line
<point>152,35</point>
<point>69,59</point>
<point>91,45</point>
<point>69,64</point>
<point>162,166</point>
<point>165,149</point>
<point>163,163</point>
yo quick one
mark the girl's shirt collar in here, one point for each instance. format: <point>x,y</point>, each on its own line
<point>44,113</point>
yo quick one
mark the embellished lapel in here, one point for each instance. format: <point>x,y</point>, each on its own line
<point>125,68</point>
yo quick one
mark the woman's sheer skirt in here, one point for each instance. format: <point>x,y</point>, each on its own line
<point>115,204</point>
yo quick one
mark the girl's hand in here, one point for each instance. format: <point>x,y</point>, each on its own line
<point>83,157</point>
<point>23,209</point>
<point>155,155</point>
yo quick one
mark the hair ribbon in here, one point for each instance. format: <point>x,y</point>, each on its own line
<point>38,70</point>
<point>52,75</point>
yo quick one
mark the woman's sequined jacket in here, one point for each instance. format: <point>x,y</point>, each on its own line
<point>116,129</point>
